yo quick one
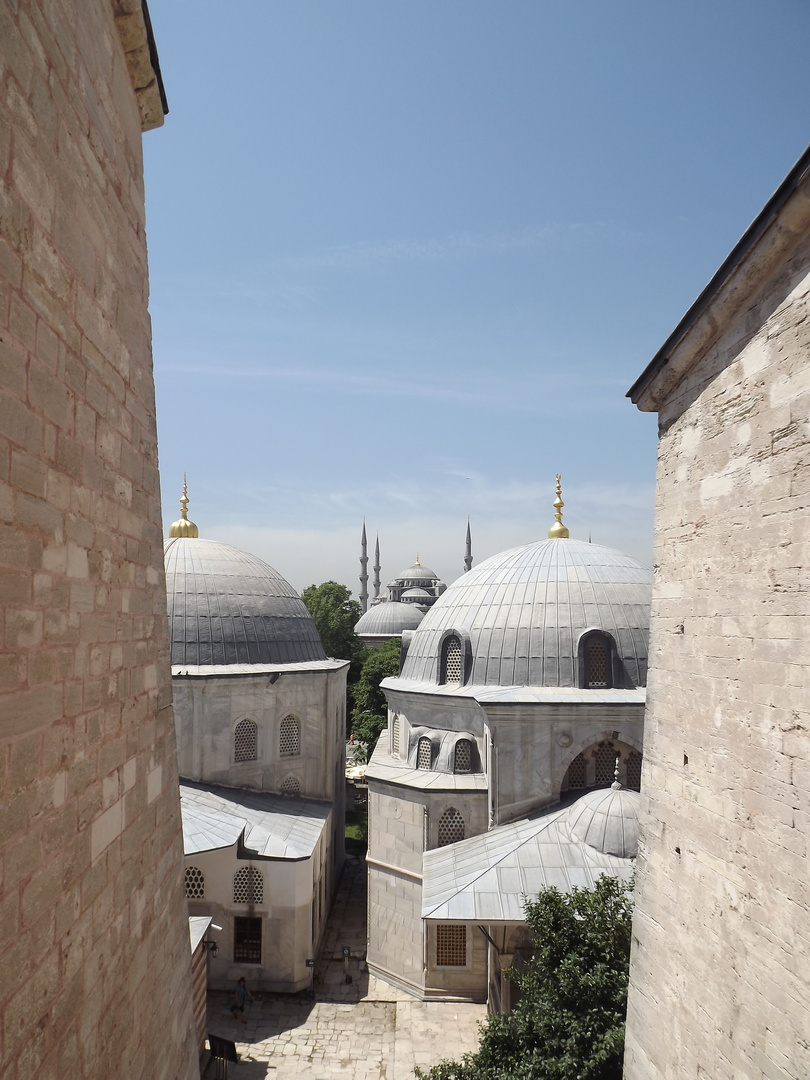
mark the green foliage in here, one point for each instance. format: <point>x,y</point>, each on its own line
<point>335,615</point>
<point>370,713</point>
<point>569,1023</point>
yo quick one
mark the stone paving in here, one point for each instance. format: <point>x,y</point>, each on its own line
<point>362,1030</point>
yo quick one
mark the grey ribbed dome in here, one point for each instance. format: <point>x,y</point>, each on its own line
<point>228,607</point>
<point>389,618</point>
<point>523,612</point>
<point>607,820</point>
<point>417,572</point>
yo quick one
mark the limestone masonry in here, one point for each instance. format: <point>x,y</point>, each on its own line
<point>94,943</point>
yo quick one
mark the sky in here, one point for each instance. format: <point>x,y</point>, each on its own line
<point>406,259</point>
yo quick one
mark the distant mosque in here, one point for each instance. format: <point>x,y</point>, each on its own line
<point>405,600</point>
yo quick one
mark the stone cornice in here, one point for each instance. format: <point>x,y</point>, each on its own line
<point>135,31</point>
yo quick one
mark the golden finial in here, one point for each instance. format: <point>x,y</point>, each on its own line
<point>417,563</point>
<point>558,531</point>
<point>184,527</point>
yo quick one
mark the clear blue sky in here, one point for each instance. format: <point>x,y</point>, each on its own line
<point>407,257</point>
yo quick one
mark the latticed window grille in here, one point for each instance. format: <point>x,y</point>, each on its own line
<point>605,764</point>
<point>248,886</point>
<point>424,753</point>
<point>451,946</point>
<point>195,883</point>
<point>633,770</point>
<point>462,761</point>
<point>597,662</point>
<point>245,740</point>
<point>451,827</point>
<point>291,786</point>
<point>577,772</point>
<point>451,659</point>
<point>247,941</point>
<point>289,737</point>
<point>395,736</point>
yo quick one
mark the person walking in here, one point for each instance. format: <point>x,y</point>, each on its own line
<point>238,1007</point>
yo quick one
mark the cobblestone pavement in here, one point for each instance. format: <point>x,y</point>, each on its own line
<point>363,1030</point>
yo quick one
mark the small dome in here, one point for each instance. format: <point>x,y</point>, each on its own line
<point>389,618</point>
<point>417,594</point>
<point>525,610</point>
<point>607,820</point>
<point>228,607</point>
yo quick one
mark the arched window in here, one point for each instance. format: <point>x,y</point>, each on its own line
<point>451,667</point>
<point>289,737</point>
<point>597,662</point>
<point>245,739</point>
<point>605,755</point>
<point>577,772</point>
<point>291,786</point>
<point>633,770</point>
<point>424,753</point>
<point>195,883</point>
<point>462,759</point>
<point>395,736</point>
<point>451,827</point>
<point>248,886</point>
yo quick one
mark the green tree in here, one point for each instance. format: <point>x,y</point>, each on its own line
<point>370,713</point>
<point>335,615</point>
<point>569,1022</point>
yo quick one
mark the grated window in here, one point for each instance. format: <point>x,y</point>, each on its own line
<point>289,737</point>
<point>451,656</point>
<point>395,737</point>
<point>245,738</point>
<point>462,761</point>
<point>451,827</point>
<point>451,946</point>
<point>247,941</point>
<point>424,753</point>
<point>291,786</point>
<point>633,770</point>
<point>195,883</point>
<point>577,772</point>
<point>248,886</point>
<point>605,755</point>
<point>597,662</point>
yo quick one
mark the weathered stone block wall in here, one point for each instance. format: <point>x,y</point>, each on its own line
<point>721,953</point>
<point>94,944</point>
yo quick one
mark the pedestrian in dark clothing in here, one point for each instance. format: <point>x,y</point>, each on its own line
<point>238,1007</point>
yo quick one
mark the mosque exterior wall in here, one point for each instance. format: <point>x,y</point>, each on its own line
<point>721,950</point>
<point>94,940</point>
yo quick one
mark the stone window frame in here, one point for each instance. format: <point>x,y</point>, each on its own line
<point>452,945</point>
<point>290,786</point>
<point>289,737</point>
<point>587,640</point>
<point>194,880</point>
<point>425,742</point>
<point>248,881</point>
<point>466,746</point>
<point>247,939</point>
<point>245,741</point>
<point>449,638</point>
<point>451,821</point>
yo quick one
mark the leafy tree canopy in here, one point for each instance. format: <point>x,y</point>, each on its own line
<point>370,713</point>
<point>569,1022</point>
<point>335,615</point>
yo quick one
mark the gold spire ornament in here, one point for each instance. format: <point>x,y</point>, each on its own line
<point>183,527</point>
<point>558,531</point>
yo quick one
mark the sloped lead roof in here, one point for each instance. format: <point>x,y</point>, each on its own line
<point>228,607</point>
<point>525,609</point>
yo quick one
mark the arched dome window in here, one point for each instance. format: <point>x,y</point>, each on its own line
<point>596,661</point>
<point>245,741</point>
<point>289,737</point>
<point>395,735</point>
<point>424,753</point>
<point>291,786</point>
<point>451,667</point>
<point>195,883</point>
<point>248,886</point>
<point>451,827</point>
<point>462,756</point>
<point>633,770</point>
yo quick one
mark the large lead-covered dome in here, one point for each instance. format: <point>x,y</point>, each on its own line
<point>228,607</point>
<point>520,616</point>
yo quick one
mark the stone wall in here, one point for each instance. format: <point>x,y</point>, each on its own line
<point>721,951</point>
<point>94,942</point>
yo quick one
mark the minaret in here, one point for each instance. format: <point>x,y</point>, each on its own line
<point>183,527</point>
<point>468,550</point>
<point>558,531</point>
<point>364,570</point>
<point>377,568</point>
